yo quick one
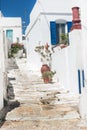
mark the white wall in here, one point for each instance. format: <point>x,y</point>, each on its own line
<point>33,40</point>
<point>57,6</point>
<point>75,58</point>
<point>67,61</point>
<point>83,11</point>
<point>1,15</point>
<point>55,9</point>
<point>60,64</point>
<point>12,23</point>
<point>45,25</point>
<point>39,31</point>
<point>1,89</point>
<point>1,70</point>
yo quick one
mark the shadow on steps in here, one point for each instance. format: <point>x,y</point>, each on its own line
<point>10,105</point>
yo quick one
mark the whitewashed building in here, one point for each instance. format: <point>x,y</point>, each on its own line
<point>12,27</point>
<point>48,20</point>
<point>3,70</point>
<point>41,17</point>
<point>10,32</point>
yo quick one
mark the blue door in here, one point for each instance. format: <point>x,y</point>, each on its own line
<point>9,35</point>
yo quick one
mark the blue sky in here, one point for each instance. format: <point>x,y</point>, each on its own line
<point>17,8</point>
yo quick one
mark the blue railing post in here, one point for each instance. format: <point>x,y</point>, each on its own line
<point>79,81</point>
<point>83,78</point>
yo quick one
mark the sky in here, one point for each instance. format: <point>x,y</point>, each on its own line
<point>17,8</point>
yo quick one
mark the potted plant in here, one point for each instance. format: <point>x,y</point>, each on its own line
<point>45,56</point>
<point>63,40</point>
<point>48,76</point>
<point>45,53</point>
<point>15,48</point>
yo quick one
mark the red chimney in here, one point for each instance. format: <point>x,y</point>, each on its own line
<point>76,19</point>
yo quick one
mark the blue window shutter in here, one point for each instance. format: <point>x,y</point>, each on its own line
<point>69,24</point>
<point>53,32</point>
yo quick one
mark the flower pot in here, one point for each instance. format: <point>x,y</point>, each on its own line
<point>47,80</point>
<point>45,68</point>
<point>63,46</point>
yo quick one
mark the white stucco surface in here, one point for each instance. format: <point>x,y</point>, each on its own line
<point>65,61</point>
<point>1,70</point>
<point>15,24</point>
<point>1,89</point>
<point>38,30</point>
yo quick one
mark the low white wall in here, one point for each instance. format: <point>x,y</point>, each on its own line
<point>60,65</point>
<point>68,61</point>
<point>84,33</point>
<point>76,57</point>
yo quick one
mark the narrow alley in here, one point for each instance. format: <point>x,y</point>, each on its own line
<point>39,106</point>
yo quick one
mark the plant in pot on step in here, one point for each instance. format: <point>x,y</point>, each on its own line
<point>48,76</point>
<point>45,56</point>
<point>45,53</point>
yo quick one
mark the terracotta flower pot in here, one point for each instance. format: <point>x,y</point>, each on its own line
<point>47,80</point>
<point>63,46</point>
<point>45,68</point>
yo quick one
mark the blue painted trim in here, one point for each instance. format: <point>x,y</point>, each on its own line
<point>83,78</point>
<point>69,25</point>
<point>53,32</point>
<point>79,81</point>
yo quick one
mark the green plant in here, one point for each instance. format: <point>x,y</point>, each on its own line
<point>44,52</point>
<point>15,47</point>
<point>48,74</point>
<point>64,39</point>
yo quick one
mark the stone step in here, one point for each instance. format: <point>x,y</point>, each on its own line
<point>44,112</point>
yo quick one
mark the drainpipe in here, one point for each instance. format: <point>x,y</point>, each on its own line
<point>76,19</point>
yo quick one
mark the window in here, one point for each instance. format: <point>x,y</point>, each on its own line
<point>17,39</point>
<point>57,28</point>
<point>9,35</point>
<point>60,29</point>
<point>23,37</point>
